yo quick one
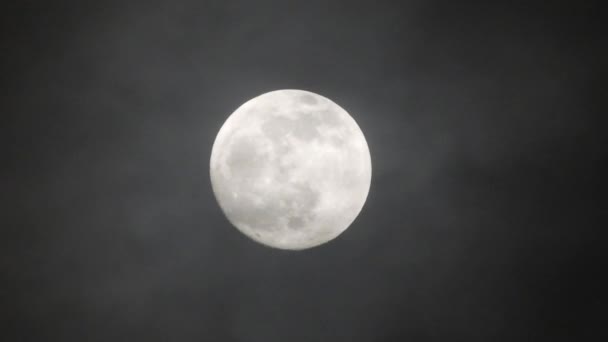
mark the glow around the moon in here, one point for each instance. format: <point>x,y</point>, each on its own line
<point>290,169</point>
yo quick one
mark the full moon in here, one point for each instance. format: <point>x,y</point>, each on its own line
<point>290,169</point>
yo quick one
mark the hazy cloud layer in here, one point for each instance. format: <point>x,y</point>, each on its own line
<point>482,121</point>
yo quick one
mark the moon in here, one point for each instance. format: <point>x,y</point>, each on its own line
<point>290,169</point>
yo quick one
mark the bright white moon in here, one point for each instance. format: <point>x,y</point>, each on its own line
<point>290,169</point>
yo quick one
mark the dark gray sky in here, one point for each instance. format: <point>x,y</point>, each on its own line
<point>481,223</point>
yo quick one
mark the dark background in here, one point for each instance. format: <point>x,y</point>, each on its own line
<point>481,224</point>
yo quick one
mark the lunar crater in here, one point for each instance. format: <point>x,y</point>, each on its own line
<point>308,99</point>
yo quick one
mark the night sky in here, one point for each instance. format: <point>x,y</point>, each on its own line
<point>483,217</point>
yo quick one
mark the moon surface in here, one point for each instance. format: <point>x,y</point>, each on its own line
<point>290,169</point>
